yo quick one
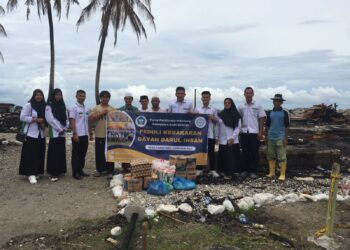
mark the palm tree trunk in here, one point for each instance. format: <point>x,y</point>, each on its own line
<point>52,48</point>
<point>98,69</point>
<point>104,33</point>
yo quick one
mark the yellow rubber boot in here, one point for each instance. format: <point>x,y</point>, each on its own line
<point>283,165</point>
<point>272,168</point>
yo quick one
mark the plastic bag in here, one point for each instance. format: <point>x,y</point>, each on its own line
<point>158,188</point>
<point>180,183</point>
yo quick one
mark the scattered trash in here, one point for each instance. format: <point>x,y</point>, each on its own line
<point>113,241</point>
<point>123,203</point>
<point>181,183</point>
<point>292,197</point>
<point>258,226</point>
<point>243,219</point>
<point>149,213</point>
<point>121,211</point>
<point>216,209</point>
<point>167,208</point>
<point>184,207</point>
<point>117,180</point>
<point>246,203</point>
<point>285,241</point>
<point>117,191</point>
<point>115,231</point>
<point>324,241</point>
<point>320,197</point>
<point>308,179</point>
<point>158,188</point>
<point>228,206</point>
<point>263,198</point>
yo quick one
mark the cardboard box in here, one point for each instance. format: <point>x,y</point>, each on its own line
<point>140,168</point>
<point>132,184</point>
<point>146,181</point>
<point>181,174</point>
<point>191,175</point>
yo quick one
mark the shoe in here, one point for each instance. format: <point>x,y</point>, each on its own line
<point>283,165</point>
<point>82,173</point>
<point>272,168</point>
<point>227,177</point>
<point>253,175</point>
<point>109,176</point>
<point>32,179</point>
<point>97,174</point>
<point>77,176</point>
<point>53,178</point>
<point>214,174</point>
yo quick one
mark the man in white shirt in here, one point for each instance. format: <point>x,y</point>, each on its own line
<point>253,117</point>
<point>144,103</point>
<point>181,105</point>
<point>212,118</point>
<point>79,122</point>
<point>155,101</point>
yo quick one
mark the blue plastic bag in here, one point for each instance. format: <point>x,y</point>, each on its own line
<point>180,183</point>
<point>158,188</point>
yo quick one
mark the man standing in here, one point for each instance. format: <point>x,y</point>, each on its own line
<point>180,105</point>
<point>253,117</point>
<point>128,98</point>
<point>155,105</point>
<point>212,118</point>
<point>79,122</point>
<point>99,116</point>
<point>277,124</point>
<point>144,103</point>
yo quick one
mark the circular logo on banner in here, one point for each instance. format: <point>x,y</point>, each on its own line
<point>141,121</point>
<point>200,122</point>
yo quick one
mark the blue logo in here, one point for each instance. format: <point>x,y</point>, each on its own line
<point>141,121</point>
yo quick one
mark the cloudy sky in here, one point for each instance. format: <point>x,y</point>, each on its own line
<point>295,47</point>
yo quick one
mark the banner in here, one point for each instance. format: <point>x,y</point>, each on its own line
<point>156,135</point>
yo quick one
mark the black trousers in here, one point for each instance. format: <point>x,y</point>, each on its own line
<point>56,156</point>
<point>211,153</point>
<point>250,150</point>
<point>229,159</point>
<point>79,150</point>
<point>101,164</point>
<point>32,156</point>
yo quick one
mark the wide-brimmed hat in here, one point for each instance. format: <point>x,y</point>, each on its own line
<point>278,97</point>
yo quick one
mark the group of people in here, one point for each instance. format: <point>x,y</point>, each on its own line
<point>232,128</point>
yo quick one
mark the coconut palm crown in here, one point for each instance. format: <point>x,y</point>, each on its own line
<point>117,13</point>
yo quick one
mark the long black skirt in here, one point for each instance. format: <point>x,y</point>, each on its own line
<point>56,156</point>
<point>32,157</point>
<point>230,159</point>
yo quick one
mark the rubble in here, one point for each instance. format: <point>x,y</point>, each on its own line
<point>246,203</point>
<point>263,198</point>
<point>228,206</point>
<point>167,208</point>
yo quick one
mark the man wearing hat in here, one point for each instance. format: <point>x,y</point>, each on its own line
<point>277,124</point>
<point>144,103</point>
<point>128,98</point>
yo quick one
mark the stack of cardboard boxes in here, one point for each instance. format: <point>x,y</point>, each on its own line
<point>140,176</point>
<point>185,166</point>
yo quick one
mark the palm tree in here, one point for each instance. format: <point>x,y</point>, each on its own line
<point>2,30</point>
<point>43,8</point>
<point>116,12</point>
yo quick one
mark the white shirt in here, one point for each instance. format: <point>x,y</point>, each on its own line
<point>226,133</point>
<point>159,110</point>
<point>209,111</point>
<point>55,126</point>
<point>250,117</point>
<point>180,107</point>
<point>80,114</point>
<point>27,113</point>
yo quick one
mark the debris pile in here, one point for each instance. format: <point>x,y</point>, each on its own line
<point>320,113</point>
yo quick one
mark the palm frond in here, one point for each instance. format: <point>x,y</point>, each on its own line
<point>11,5</point>
<point>2,11</point>
<point>87,11</point>
<point>69,2</point>
<point>2,30</point>
<point>57,5</point>
<point>145,9</point>
<point>1,57</point>
<point>29,3</point>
